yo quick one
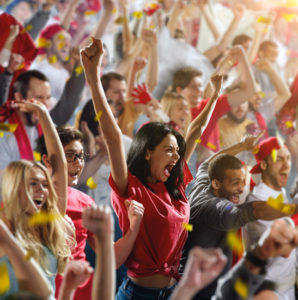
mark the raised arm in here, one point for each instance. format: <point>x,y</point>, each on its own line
<point>91,60</point>
<point>56,156</point>
<point>196,126</point>
<point>99,221</point>
<point>227,37</point>
<point>282,91</point>
<point>28,272</point>
<point>68,14</point>
<point>127,37</point>
<point>150,38</point>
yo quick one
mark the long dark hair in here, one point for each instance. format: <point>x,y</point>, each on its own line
<point>148,137</point>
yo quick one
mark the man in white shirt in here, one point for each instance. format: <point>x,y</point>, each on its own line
<point>274,164</point>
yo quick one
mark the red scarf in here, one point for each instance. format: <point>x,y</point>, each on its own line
<point>7,113</point>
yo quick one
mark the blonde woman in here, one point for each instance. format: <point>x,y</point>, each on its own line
<point>27,188</point>
<point>177,108</point>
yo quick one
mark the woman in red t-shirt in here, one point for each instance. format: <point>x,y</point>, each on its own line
<point>155,175</point>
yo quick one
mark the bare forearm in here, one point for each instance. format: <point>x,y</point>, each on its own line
<point>68,14</point>
<point>152,72</point>
<point>104,277</point>
<point>126,35</point>
<point>252,52</point>
<point>210,24</point>
<point>124,246</point>
<point>102,25</point>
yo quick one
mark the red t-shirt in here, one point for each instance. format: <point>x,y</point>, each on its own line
<point>210,136</point>
<point>158,246</point>
<point>76,202</point>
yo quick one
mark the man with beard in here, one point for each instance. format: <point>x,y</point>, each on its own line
<point>274,164</point>
<point>215,208</point>
<point>18,144</point>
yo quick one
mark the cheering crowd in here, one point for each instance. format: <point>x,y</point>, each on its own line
<point>148,149</point>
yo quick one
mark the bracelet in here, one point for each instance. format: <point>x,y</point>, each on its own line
<point>251,257</point>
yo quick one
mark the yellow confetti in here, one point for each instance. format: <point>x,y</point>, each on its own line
<point>4,279</point>
<point>1,134</point>
<point>21,66</point>
<point>8,127</point>
<point>79,70</point>
<point>27,28</point>
<point>255,150</point>
<point>198,141</point>
<point>274,155</point>
<point>234,242</point>
<point>98,115</point>
<point>119,20</point>
<point>137,14</point>
<point>53,59</point>
<point>210,145</point>
<point>261,94</point>
<point>61,45</point>
<point>37,156</point>
<point>241,288</point>
<point>264,20</point>
<point>276,203</point>
<point>152,27</point>
<point>89,12</point>
<point>61,37</point>
<point>160,1</point>
<point>114,10</point>
<point>288,17</point>
<point>187,227</point>
<point>266,29</point>
<point>67,58</point>
<point>42,217</point>
<point>43,43</point>
<point>28,255</point>
<point>90,183</point>
<point>288,209</point>
<point>289,124</point>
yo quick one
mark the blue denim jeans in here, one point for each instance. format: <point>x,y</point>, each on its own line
<point>131,291</point>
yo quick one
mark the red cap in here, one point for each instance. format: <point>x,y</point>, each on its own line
<point>265,148</point>
<point>47,33</point>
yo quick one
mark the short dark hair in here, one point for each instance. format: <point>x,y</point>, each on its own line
<point>21,85</point>
<point>183,77</point>
<point>88,115</point>
<point>66,134</point>
<point>240,39</point>
<point>147,138</point>
<point>108,77</point>
<point>218,166</point>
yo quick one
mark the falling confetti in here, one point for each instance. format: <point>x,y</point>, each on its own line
<point>151,8</point>
<point>120,20</point>
<point>255,150</point>
<point>1,134</point>
<point>210,145</point>
<point>4,279</point>
<point>288,209</point>
<point>187,226</point>
<point>137,14</point>
<point>21,66</point>
<point>90,183</point>
<point>79,70</point>
<point>289,124</point>
<point>37,156</point>
<point>114,10</point>
<point>274,155</point>
<point>43,43</point>
<point>8,127</point>
<point>61,45</point>
<point>198,141</point>
<point>43,217</point>
<point>241,288</point>
<point>262,94</point>
<point>61,37</point>
<point>27,28</point>
<point>288,17</point>
<point>234,242</point>
<point>264,20</point>
<point>89,12</point>
<point>98,115</point>
<point>53,59</point>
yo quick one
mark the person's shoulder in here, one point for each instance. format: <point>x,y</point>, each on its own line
<point>79,196</point>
